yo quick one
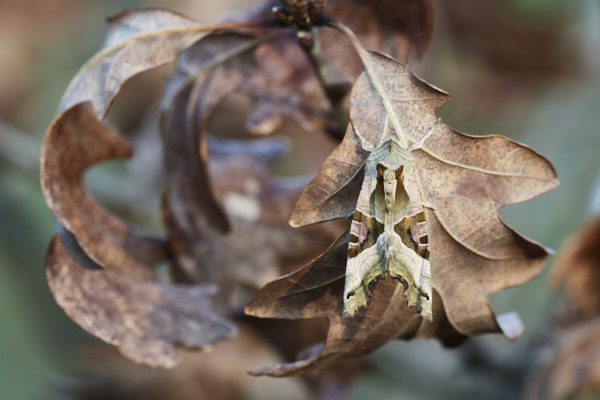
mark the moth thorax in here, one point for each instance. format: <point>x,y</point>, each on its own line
<point>390,182</point>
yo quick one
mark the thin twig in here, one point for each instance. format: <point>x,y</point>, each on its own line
<point>334,90</point>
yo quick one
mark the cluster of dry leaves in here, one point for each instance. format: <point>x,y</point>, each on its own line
<point>226,216</point>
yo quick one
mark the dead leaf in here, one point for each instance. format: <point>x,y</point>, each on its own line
<point>209,71</point>
<point>576,271</point>
<point>317,290</point>
<point>463,181</point>
<point>137,40</point>
<point>121,304</point>
<point>75,141</point>
<point>570,349</point>
<point>144,319</point>
<point>261,245</point>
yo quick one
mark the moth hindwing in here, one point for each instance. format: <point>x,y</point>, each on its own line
<point>389,231</point>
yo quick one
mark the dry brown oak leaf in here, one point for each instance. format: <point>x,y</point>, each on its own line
<point>463,181</point>
<point>122,304</point>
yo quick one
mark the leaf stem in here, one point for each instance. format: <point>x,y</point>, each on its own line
<point>370,70</point>
<point>335,91</point>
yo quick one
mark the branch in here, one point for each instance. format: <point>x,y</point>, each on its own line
<point>335,91</point>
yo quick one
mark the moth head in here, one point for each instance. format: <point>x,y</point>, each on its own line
<point>381,171</point>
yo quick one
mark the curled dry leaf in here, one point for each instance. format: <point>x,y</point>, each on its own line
<point>285,85</point>
<point>261,245</point>
<point>143,319</point>
<point>459,185</point>
<point>258,203</point>
<point>75,141</point>
<point>121,304</point>
<point>571,349</point>
<point>209,71</point>
<point>137,40</point>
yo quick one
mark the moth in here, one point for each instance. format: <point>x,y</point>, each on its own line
<point>389,229</point>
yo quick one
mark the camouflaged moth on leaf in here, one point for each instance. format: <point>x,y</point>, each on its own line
<point>424,200</point>
<point>389,230</point>
<point>461,183</point>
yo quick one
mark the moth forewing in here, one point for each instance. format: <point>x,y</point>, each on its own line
<point>388,231</point>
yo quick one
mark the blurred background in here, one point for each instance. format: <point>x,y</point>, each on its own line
<point>525,69</point>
